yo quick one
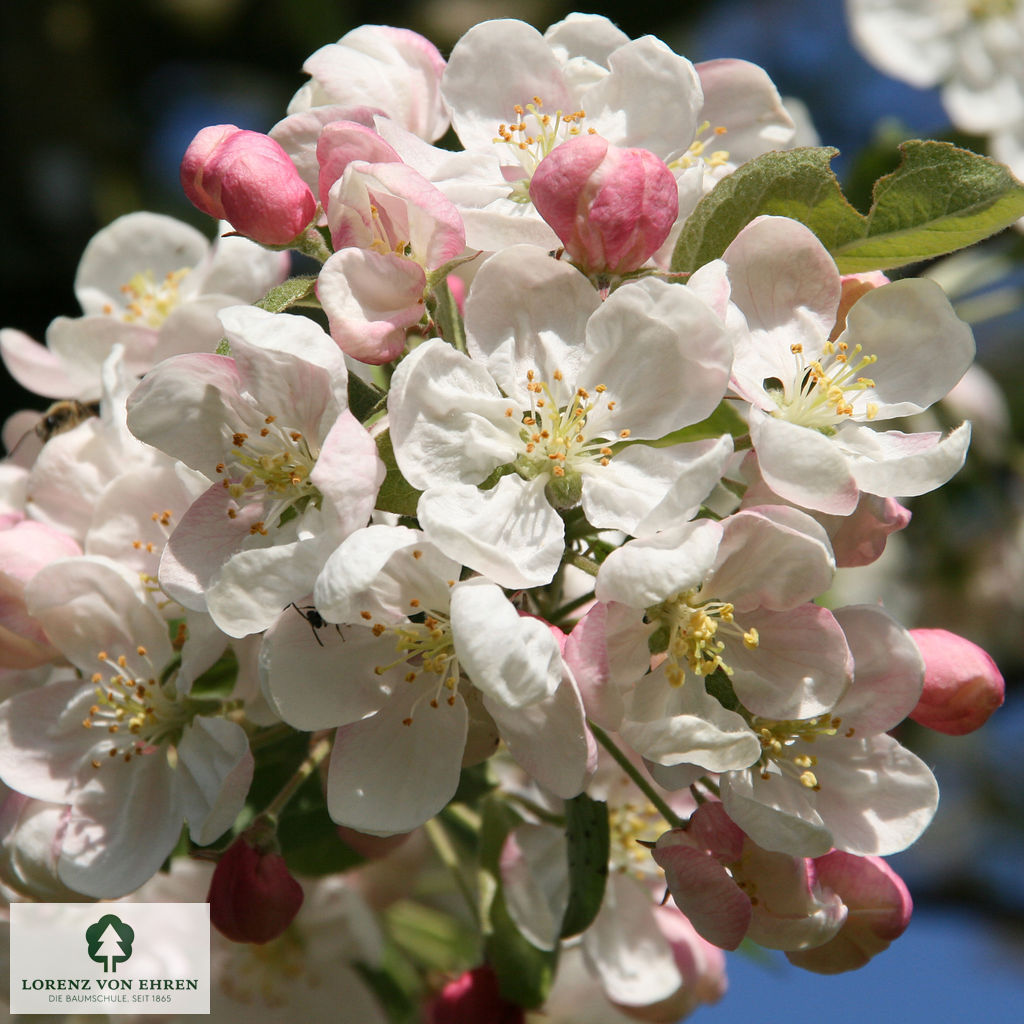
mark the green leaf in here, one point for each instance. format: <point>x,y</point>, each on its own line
<point>524,972</point>
<point>938,200</point>
<point>445,311</point>
<point>296,291</point>
<point>396,493</point>
<point>588,836</point>
<point>433,939</point>
<point>724,420</point>
<point>364,399</point>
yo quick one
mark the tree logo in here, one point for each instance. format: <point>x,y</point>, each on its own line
<point>110,942</point>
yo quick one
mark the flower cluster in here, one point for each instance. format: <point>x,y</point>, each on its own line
<point>500,487</point>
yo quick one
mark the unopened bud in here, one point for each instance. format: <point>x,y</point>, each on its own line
<point>612,208</point>
<point>473,998</point>
<point>248,180</point>
<point>253,897</point>
<point>962,685</point>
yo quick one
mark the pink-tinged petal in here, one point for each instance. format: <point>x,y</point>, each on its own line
<point>40,371</point>
<point>182,405</point>
<point>876,797</point>
<point>394,70</point>
<point>509,533</point>
<point>878,912</point>
<point>923,348</point>
<point>213,773</point>
<point>625,948</point>
<point>800,666</point>
<point>894,464</point>
<point>803,466</point>
<point>712,829</point>
<point>740,97</point>
<point>701,964</point>
<point>607,651</point>
<point>962,684</point>
<point>704,891</point>
<point>391,772</point>
<point>349,472</point>
<point>88,605</point>
<point>535,879</point>
<point>859,539</point>
<point>341,142</point>
<point>301,678</point>
<point>473,996</point>
<point>771,557</point>
<point>784,281</point>
<point>202,543</point>
<point>26,548</point>
<point>120,833</point>
<point>371,299</point>
<point>887,671</point>
<point>612,208</point>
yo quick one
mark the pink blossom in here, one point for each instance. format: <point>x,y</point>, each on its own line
<point>731,888</point>
<point>878,911</point>
<point>247,179</point>
<point>962,684</point>
<point>612,208</point>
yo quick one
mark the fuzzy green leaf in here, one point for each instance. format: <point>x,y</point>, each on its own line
<point>938,200</point>
<point>295,291</point>
<point>396,493</point>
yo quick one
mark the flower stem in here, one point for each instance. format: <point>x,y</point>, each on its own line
<point>320,749</point>
<point>446,854</point>
<point>642,784</point>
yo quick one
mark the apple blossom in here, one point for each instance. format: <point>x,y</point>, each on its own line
<point>731,597</point>
<point>248,180</point>
<point>811,398</point>
<point>548,391</point>
<point>962,684</point>
<point>410,628</point>
<point>151,284</point>
<point>128,752</point>
<point>296,473</point>
<point>809,790</point>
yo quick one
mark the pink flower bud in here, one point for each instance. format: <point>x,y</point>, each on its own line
<point>247,179</point>
<point>473,998</point>
<point>252,897</point>
<point>612,208</point>
<point>962,685</point>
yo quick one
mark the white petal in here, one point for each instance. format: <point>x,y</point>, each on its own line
<point>535,881</point>
<point>387,776</point>
<point>214,770</point>
<point>509,533</point>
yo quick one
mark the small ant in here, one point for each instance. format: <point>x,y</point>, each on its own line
<point>316,621</point>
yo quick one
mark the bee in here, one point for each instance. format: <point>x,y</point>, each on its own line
<point>59,418</point>
<point>316,621</point>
